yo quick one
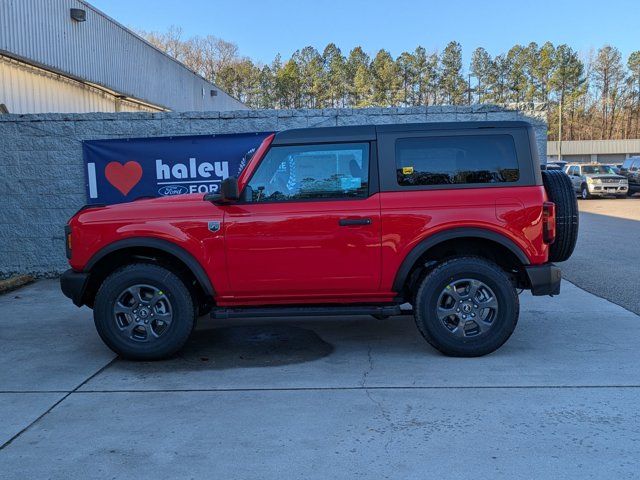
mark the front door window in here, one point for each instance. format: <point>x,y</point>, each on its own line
<point>312,172</point>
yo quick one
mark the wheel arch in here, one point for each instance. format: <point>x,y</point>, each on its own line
<point>143,249</point>
<point>448,237</point>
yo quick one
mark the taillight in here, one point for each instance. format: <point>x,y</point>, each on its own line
<point>549,222</point>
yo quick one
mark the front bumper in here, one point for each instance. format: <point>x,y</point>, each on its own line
<point>607,189</point>
<point>544,279</point>
<point>73,285</point>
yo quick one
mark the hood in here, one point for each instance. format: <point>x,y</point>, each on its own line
<point>174,206</point>
<point>604,176</point>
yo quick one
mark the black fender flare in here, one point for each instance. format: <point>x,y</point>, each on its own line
<point>171,248</point>
<point>437,238</point>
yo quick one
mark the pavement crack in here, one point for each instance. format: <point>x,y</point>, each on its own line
<point>379,405</point>
<point>84,382</point>
<point>367,371</point>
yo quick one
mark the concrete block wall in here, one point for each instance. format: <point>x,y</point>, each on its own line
<point>42,181</point>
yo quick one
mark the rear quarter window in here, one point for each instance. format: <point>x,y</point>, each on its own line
<point>456,159</point>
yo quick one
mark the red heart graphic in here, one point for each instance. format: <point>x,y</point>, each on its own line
<point>123,177</point>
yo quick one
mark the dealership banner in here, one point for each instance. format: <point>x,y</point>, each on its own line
<point>125,169</point>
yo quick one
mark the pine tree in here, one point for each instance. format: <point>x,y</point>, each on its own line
<point>452,83</point>
<point>359,80</point>
<point>310,64</point>
<point>608,74</point>
<point>481,68</point>
<point>567,76</point>
<point>542,69</point>
<point>531,56</point>
<point>633,63</point>
<point>408,73</point>
<point>386,80</point>
<point>516,76</point>
<point>267,96</point>
<point>335,76</point>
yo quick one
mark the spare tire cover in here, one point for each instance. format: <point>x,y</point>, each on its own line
<point>560,191</point>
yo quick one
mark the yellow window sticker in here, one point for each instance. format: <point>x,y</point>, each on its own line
<point>407,170</point>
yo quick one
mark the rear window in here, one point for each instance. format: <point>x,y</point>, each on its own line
<point>459,159</point>
<point>627,163</point>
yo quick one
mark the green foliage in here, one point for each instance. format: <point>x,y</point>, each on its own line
<point>335,74</point>
<point>385,74</point>
<point>359,81</point>
<point>311,66</point>
<point>482,68</point>
<point>599,96</point>
<point>451,81</point>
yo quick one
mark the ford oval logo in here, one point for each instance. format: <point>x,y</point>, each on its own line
<point>172,190</point>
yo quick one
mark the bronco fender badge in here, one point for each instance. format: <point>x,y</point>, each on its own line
<point>214,226</point>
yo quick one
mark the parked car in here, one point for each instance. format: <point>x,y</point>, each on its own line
<point>559,163</point>
<point>452,218</point>
<point>596,180</point>
<point>630,169</point>
<point>554,166</point>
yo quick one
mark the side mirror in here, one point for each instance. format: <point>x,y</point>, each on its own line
<point>228,192</point>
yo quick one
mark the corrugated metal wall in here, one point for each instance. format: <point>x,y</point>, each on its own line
<point>27,89</point>
<point>588,147</point>
<point>102,51</point>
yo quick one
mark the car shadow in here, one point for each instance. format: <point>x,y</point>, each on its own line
<point>274,342</point>
<point>254,345</point>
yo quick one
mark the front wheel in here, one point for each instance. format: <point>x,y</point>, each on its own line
<point>144,312</point>
<point>466,307</point>
<point>584,193</point>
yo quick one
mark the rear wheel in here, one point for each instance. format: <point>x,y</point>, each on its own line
<point>144,312</point>
<point>466,307</point>
<point>560,191</point>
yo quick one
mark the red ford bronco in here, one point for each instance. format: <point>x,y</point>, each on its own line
<point>449,218</point>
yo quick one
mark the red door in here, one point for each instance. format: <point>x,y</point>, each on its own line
<point>312,230</point>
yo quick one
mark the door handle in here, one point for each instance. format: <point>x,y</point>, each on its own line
<point>349,222</point>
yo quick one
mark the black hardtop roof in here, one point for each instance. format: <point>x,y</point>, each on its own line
<point>359,133</point>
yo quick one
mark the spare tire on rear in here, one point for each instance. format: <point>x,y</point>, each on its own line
<point>560,191</point>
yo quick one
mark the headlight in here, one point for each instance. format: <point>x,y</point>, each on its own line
<point>596,181</point>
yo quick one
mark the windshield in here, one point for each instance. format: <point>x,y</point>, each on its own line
<point>597,170</point>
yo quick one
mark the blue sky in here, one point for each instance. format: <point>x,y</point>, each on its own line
<point>263,28</point>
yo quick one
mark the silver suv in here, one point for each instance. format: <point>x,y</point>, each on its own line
<point>595,180</point>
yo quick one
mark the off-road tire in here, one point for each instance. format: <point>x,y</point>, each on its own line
<point>560,191</point>
<point>459,268</point>
<point>182,304</point>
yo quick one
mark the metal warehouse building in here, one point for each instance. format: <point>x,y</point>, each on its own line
<point>596,151</point>
<point>67,56</point>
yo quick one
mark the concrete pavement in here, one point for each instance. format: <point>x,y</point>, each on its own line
<point>607,257</point>
<point>317,398</point>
